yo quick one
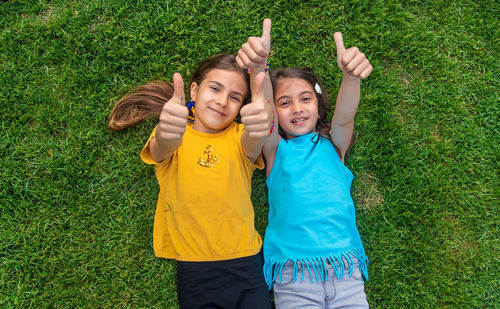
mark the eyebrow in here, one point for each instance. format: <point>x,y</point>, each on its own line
<point>282,97</point>
<point>300,94</point>
<point>222,86</point>
<point>305,92</point>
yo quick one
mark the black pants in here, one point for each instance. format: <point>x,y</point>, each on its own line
<point>229,284</point>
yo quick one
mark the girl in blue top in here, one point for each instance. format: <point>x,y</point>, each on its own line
<point>313,255</point>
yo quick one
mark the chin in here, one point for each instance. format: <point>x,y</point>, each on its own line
<point>300,133</point>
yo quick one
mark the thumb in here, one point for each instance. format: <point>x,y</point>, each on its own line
<point>178,95</point>
<point>257,89</point>
<point>339,43</point>
<point>266,34</point>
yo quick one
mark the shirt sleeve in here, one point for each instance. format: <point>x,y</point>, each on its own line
<point>146,153</point>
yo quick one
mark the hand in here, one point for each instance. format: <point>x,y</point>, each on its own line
<point>257,116</point>
<point>173,118</point>
<point>351,61</point>
<point>253,54</point>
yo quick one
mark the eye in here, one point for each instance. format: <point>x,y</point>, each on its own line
<point>306,99</point>
<point>215,89</point>
<point>236,99</point>
<point>283,103</point>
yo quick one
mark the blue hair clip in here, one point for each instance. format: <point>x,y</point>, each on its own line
<point>190,106</point>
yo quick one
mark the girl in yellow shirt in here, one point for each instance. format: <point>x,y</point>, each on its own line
<point>204,217</point>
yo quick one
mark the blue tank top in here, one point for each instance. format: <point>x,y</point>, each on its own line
<point>312,219</point>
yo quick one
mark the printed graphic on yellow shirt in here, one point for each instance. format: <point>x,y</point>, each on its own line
<point>209,158</point>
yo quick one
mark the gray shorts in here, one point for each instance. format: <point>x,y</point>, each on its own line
<point>347,292</point>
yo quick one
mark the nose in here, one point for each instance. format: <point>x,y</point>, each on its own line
<point>222,100</point>
<point>296,108</point>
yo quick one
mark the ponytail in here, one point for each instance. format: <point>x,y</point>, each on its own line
<point>145,101</point>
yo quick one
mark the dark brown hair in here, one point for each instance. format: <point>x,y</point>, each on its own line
<point>147,100</point>
<point>323,125</point>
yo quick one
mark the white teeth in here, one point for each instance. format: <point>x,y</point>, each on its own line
<point>298,120</point>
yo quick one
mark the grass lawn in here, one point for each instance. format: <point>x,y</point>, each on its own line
<point>77,204</point>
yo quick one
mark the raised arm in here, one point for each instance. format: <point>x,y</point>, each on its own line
<point>355,66</point>
<point>257,117</point>
<point>173,120</point>
<point>253,55</point>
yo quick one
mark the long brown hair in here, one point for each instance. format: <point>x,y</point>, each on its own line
<point>323,125</point>
<point>147,100</point>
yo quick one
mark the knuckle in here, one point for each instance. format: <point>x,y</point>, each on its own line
<point>168,106</point>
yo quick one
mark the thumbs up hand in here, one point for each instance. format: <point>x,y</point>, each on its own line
<point>257,116</point>
<point>351,61</point>
<point>173,118</point>
<point>253,54</point>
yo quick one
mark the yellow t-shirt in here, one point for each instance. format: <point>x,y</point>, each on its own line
<point>204,211</point>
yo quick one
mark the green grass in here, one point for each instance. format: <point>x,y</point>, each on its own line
<point>77,204</point>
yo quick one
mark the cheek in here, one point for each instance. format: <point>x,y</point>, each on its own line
<point>315,109</point>
<point>281,114</point>
<point>235,109</point>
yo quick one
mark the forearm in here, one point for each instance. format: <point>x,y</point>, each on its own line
<point>273,139</point>
<point>164,150</point>
<point>342,126</point>
<point>268,90</point>
<point>252,146</point>
<point>266,85</point>
<point>347,101</point>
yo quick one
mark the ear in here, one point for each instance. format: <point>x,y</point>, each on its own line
<point>193,91</point>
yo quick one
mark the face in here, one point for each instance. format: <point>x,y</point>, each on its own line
<point>218,99</point>
<point>296,106</point>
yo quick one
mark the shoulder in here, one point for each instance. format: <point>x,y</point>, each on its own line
<point>146,156</point>
<point>236,128</point>
<point>330,146</point>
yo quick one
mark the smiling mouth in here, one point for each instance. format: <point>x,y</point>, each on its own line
<point>218,113</point>
<point>299,120</point>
